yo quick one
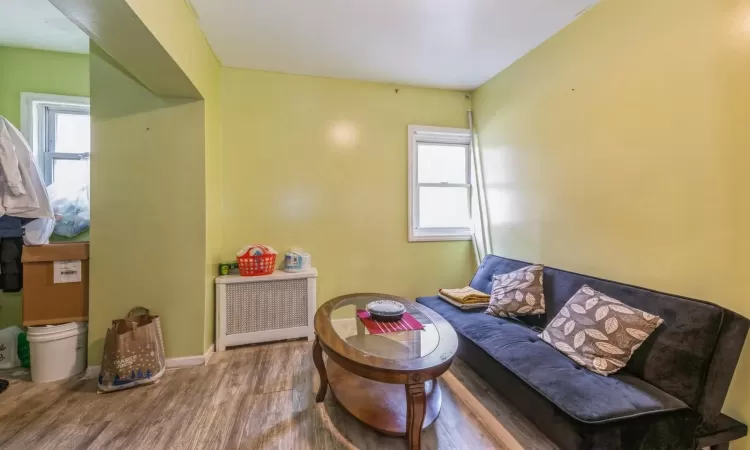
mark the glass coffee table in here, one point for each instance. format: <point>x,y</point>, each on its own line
<point>388,380</point>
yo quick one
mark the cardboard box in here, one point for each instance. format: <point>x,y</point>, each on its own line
<point>55,283</point>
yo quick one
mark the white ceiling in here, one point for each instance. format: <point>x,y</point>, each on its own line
<point>38,24</point>
<point>440,43</point>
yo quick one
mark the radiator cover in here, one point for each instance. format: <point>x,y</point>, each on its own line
<point>264,308</point>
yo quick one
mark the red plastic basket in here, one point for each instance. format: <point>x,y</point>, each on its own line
<point>256,265</point>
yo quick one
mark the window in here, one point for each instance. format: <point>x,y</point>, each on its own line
<point>439,184</point>
<point>58,129</point>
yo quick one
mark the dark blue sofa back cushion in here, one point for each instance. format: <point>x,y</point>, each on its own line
<point>676,358</point>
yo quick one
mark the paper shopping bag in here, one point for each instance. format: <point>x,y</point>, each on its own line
<point>133,352</point>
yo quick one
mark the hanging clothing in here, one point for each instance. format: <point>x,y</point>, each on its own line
<point>12,226</point>
<point>11,249</point>
<point>22,192</point>
<point>11,269</point>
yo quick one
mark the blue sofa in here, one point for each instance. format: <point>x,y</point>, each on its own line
<point>669,396</point>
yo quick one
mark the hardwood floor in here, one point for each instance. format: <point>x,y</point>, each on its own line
<point>259,397</point>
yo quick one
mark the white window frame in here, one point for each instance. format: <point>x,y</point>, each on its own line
<point>33,107</point>
<point>438,136</point>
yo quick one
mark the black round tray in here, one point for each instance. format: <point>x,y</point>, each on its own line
<point>386,318</point>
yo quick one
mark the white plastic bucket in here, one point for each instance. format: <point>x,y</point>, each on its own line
<point>57,351</point>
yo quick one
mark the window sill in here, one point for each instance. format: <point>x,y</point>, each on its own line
<point>437,237</point>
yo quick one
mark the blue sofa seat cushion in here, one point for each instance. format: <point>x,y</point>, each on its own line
<point>583,395</point>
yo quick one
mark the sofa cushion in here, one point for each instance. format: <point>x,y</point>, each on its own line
<point>519,293</point>
<point>672,430</point>
<point>599,332</point>
<point>477,319</point>
<point>676,358</point>
<point>585,396</point>
<point>493,265</point>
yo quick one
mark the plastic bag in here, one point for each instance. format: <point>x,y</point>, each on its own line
<point>8,348</point>
<point>72,208</point>
<point>38,231</point>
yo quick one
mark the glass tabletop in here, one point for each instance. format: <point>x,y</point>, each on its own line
<point>397,345</point>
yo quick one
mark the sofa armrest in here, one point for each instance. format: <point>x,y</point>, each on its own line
<point>726,355</point>
<point>721,431</point>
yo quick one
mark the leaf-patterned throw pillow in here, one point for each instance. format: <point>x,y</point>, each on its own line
<point>599,332</point>
<point>518,293</point>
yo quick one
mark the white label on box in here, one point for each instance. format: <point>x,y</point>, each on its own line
<point>67,271</point>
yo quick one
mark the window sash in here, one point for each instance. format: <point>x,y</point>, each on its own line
<point>467,158</point>
<point>436,136</point>
<point>448,142</point>
<point>47,136</point>
<point>442,230</point>
<point>49,163</point>
<point>50,113</point>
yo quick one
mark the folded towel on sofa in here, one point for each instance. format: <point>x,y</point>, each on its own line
<point>466,295</point>
<point>464,306</point>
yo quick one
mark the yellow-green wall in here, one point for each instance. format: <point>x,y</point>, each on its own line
<point>27,70</point>
<point>174,26</point>
<point>321,164</point>
<point>213,201</point>
<point>619,148</point>
<point>333,151</point>
<point>176,145</point>
<point>147,209</point>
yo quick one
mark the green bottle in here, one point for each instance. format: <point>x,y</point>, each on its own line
<point>24,352</point>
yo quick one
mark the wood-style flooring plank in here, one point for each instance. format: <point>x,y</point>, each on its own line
<point>219,357</point>
<point>494,412</point>
<point>239,378</point>
<point>453,416</point>
<point>178,404</point>
<point>67,423</point>
<point>264,421</point>
<point>279,362</point>
<point>314,430</point>
<point>256,397</point>
<point>131,417</point>
<point>195,411</point>
<point>24,405</point>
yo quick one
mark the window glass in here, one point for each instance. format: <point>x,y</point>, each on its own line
<point>443,207</point>
<point>72,133</point>
<point>441,163</point>
<point>71,172</point>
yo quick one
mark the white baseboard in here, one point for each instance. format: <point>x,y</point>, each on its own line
<point>257,337</point>
<point>208,354</point>
<point>172,363</point>
<point>190,361</point>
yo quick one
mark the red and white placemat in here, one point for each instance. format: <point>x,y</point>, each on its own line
<point>407,323</point>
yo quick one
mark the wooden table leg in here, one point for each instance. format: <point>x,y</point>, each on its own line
<point>318,360</point>
<point>415,412</point>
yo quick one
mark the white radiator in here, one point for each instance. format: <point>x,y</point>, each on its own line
<point>264,308</point>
